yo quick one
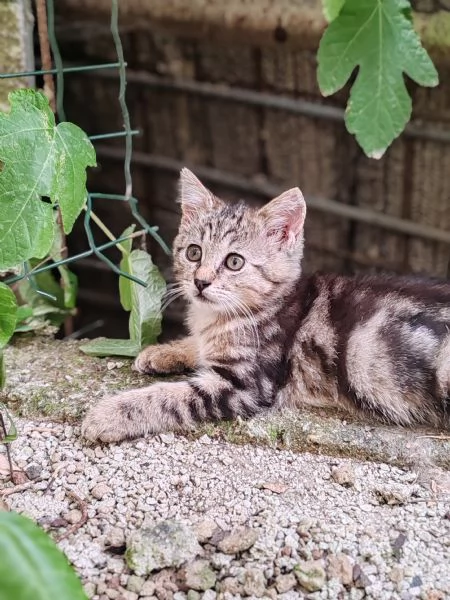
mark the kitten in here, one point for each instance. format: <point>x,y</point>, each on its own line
<point>263,335</point>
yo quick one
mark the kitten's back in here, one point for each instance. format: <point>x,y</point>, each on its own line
<point>377,343</point>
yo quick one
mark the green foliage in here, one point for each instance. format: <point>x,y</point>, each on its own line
<point>144,304</point>
<point>145,317</point>
<point>45,302</point>
<point>331,8</point>
<point>109,347</point>
<point>11,434</point>
<point>40,160</point>
<point>8,318</point>
<point>8,310</point>
<point>32,567</point>
<point>378,37</point>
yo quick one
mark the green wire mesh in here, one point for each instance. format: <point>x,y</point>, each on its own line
<point>128,134</point>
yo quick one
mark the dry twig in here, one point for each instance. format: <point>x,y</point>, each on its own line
<point>84,516</point>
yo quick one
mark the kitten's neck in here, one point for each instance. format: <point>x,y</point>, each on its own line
<point>203,318</point>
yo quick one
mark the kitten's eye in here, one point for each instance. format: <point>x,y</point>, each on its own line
<point>194,253</point>
<point>234,262</point>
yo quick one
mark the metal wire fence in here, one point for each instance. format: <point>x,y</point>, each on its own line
<point>59,71</point>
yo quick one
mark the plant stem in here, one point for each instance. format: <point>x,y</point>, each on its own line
<point>3,434</point>
<point>109,234</point>
<point>49,89</point>
<point>44,47</point>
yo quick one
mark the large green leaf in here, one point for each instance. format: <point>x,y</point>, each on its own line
<point>40,160</point>
<point>2,369</point>
<point>331,8</point>
<point>378,37</point>
<point>110,347</point>
<point>32,567</point>
<point>125,265</point>
<point>145,318</point>
<point>145,304</point>
<point>8,311</point>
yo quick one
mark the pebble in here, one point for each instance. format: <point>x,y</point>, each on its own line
<point>100,490</point>
<point>343,475</point>
<point>205,529</point>
<point>238,540</point>
<point>284,583</point>
<point>197,575</point>
<point>33,470</point>
<point>310,575</point>
<point>340,567</point>
<point>135,584</point>
<point>254,582</point>
<point>73,516</point>
<point>115,538</point>
<point>166,544</point>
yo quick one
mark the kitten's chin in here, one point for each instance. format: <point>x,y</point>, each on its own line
<point>205,303</point>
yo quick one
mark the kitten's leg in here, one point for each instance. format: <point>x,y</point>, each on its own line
<point>174,357</point>
<point>210,395</point>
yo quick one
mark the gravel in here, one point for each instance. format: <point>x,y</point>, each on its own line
<point>261,523</point>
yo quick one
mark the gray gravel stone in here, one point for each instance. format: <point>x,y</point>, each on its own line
<point>310,575</point>
<point>340,567</point>
<point>197,575</point>
<point>284,583</point>
<point>344,475</point>
<point>238,540</point>
<point>33,471</point>
<point>73,516</point>
<point>254,582</point>
<point>100,490</point>
<point>135,584</point>
<point>167,544</point>
<point>204,530</point>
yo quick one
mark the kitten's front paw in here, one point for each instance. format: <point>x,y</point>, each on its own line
<point>159,359</point>
<point>111,420</point>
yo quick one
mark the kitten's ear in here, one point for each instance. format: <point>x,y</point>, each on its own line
<point>284,217</point>
<point>194,197</point>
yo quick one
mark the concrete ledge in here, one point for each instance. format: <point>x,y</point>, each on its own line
<point>55,380</point>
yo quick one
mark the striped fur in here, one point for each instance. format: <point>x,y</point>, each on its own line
<point>267,336</point>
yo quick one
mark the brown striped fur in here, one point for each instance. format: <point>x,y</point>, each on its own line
<point>267,336</point>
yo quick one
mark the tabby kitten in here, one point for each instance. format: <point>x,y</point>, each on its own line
<point>263,335</point>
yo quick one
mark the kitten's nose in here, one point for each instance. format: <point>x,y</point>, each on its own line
<point>201,284</point>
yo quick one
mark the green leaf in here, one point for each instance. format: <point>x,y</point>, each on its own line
<point>69,281</point>
<point>8,311</point>
<point>52,306</point>
<point>2,369</point>
<point>124,283</point>
<point>12,433</point>
<point>23,312</point>
<point>377,36</point>
<point>39,160</point>
<point>32,566</point>
<point>145,318</point>
<point>145,304</point>
<point>108,347</point>
<point>331,9</point>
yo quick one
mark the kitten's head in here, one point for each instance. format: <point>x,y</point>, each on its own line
<point>231,256</point>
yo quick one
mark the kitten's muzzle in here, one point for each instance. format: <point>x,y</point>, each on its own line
<point>201,284</point>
